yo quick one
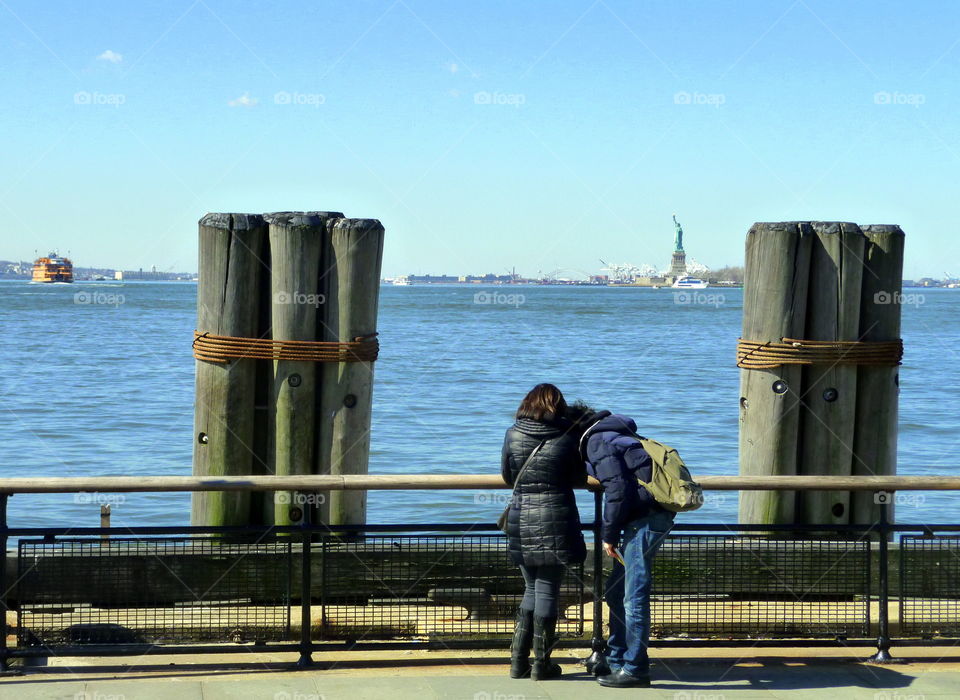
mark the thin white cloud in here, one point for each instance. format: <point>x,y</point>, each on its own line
<point>453,67</point>
<point>110,56</point>
<point>244,101</point>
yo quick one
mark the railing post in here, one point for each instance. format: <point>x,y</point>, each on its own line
<point>306,643</point>
<point>883,499</point>
<point>5,669</point>
<point>105,519</point>
<point>597,644</point>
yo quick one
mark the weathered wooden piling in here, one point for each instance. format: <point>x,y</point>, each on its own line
<point>287,301</point>
<point>824,297</point>
<point>829,391</point>
<point>875,435</point>
<point>774,307</point>
<point>231,267</point>
<point>296,249</point>
<point>353,282</point>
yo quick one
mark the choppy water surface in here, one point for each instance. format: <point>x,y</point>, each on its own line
<point>105,386</point>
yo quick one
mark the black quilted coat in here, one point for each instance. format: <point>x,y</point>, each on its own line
<point>543,526</point>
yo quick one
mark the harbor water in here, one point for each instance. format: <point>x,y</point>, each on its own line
<point>97,379</point>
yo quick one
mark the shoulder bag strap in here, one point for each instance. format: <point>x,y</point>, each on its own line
<point>526,463</point>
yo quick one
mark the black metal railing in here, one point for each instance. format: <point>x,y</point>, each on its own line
<point>148,590</point>
<point>930,585</point>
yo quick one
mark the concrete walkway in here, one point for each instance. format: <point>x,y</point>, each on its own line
<point>708,674</point>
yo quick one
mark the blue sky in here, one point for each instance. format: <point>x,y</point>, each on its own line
<point>485,135</point>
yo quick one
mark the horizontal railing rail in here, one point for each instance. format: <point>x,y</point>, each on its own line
<point>403,482</point>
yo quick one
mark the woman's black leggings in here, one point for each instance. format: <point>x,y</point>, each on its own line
<point>542,595</point>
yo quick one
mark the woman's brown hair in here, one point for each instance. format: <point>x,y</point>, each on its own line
<point>544,402</point>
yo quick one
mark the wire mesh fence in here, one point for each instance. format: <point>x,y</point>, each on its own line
<point>180,590</point>
<point>930,586</point>
<point>430,586</point>
<point>716,585</point>
<point>152,591</point>
<point>173,590</point>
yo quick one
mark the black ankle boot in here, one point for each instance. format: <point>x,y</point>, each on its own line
<point>544,639</point>
<point>522,641</point>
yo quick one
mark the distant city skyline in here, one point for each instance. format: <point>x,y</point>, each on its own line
<point>540,274</point>
<point>492,135</point>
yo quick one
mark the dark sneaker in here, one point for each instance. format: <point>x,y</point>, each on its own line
<point>622,679</point>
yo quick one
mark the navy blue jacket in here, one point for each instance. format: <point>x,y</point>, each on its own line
<point>617,460</point>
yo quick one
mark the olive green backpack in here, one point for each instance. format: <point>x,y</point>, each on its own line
<point>671,484</point>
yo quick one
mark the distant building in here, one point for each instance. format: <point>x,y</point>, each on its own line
<point>432,279</point>
<point>142,274</point>
<point>118,275</point>
<point>153,275</point>
<point>488,278</point>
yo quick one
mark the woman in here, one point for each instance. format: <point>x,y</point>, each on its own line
<point>543,525</point>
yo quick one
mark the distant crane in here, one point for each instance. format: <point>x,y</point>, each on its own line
<point>621,273</point>
<point>649,271</point>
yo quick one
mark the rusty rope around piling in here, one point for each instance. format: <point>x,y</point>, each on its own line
<point>223,348</point>
<point>790,351</point>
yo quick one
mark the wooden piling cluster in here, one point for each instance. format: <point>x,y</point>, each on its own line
<point>284,276</point>
<point>819,281</point>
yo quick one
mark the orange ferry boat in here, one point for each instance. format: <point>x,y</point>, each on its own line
<point>52,268</point>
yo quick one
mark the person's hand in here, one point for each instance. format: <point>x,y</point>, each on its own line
<point>610,550</point>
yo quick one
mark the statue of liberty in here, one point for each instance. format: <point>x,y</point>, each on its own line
<point>678,242</point>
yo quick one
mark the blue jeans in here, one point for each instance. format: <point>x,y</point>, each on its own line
<point>628,593</point>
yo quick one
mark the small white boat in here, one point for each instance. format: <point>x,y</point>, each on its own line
<point>689,283</point>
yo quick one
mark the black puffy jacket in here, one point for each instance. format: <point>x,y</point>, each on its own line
<point>543,526</point>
